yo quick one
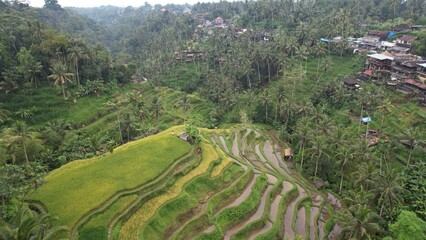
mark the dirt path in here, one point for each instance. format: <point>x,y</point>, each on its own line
<point>257,215</point>
<point>312,223</point>
<point>300,225</point>
<point>257,150</point>
<point>243,196</point>
<point>334,201</point>
<point>243,141</point>
<point>289,213</point>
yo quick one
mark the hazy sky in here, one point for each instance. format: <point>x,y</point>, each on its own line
<point>121,3</point>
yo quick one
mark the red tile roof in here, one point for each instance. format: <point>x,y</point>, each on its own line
<point>416,84</point>
<point>407,38</point>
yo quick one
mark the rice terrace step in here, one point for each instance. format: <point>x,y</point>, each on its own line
<point>235,186</point>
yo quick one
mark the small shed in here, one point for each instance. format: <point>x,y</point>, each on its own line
<point>366,120</point>
<point>350,83</point>
<point>288,154</point>
<point>184,136</point>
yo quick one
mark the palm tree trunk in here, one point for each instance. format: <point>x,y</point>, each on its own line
<point>63,91</point>
<point>119,129</point>
<point>409,157</point>
<point>341,180</point>
<point>318,65</point>
<point>269,72</point>
<point>25,152</point>
<point>76,69</point>
<point>258,72</point>
<point>316,168</point>
<point>266,115</point>
<point>303,152</point>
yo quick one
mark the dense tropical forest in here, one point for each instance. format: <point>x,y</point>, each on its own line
<point>246,79</point>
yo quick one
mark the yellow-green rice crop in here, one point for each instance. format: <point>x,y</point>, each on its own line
<point>81,186</point>
<point>130,229</point>
<point>219,168</point>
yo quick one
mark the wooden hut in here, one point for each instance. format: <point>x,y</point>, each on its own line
<point>288,154</point>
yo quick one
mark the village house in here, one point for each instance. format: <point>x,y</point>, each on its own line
<point>405,40</point>
<point>402,28</point>
<point>186,11</point>
<point>380,64</point>
<point>383,35</point>
<point>421,70</point>
<point>404,69</point>
<point>350,83</point>
<point>399,49</point>
<point>218,21</point>
<point>416,87</point>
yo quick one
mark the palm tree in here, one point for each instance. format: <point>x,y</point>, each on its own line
<point>365,175</point>
<point>22,132</point>
<point>358,224</point>
<point>318,150</point>
<point>97,143</point>
<point>302,134</point>
<point>156,107</point>
<point>74,53</point>
<point>28,224</point>
<point>388,188</point>
<point>280,96</point>
<point>185,102</point>
<point>355,199</point>
<point>60,75</point>
<point>250,100</point>
<point>412,136</point>
<point>266,97</point>
<point>320,50</point>
<point>344,156</point>
<point>4,115</point>
<point>385,108</point>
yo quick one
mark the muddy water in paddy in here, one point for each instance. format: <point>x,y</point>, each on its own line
<point>269,152</point>
<point>271,179</point>
<point>300,225</point>
<point>243,196</point>
<point>224,144</point>
<point>334,201</point>
<point>256,134</point>
<point>235,148</point>
<point>314,213</point>
<point>257,215</point>
<point>265,229</point>
<point>288,217</point>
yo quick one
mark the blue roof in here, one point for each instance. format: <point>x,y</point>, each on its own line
<point>366,120</point>
<point>325,40</point>
<point>391,34</point>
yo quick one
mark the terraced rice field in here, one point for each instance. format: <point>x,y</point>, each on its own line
<point>238,187</point>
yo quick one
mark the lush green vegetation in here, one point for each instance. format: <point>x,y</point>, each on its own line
<point>77,92</point>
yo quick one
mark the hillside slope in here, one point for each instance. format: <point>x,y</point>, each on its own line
<point>238,187</point>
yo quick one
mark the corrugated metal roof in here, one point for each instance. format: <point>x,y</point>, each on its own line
<point>380,56</point>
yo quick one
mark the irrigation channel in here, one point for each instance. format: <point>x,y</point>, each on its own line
<point>239,187</point>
